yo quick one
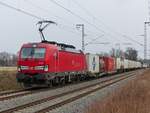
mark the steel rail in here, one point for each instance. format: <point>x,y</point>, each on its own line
<point>62,94</point>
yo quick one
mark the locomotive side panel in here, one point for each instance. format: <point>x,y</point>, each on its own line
<point>71,62</point>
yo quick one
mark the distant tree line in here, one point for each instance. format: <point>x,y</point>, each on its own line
<point>8,59</point>
<point>130,53</point>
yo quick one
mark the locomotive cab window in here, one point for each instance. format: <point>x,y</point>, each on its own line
<point>32,52</point>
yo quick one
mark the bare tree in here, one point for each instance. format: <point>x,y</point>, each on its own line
<point>116,53</point>
<point>7,59</point>
<point>131,54</point>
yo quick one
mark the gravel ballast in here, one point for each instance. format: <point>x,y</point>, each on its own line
<point>74,107</point>
<point>79,106</point>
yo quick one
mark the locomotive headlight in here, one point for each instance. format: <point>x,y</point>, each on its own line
<point>46,68</point>
<point>39,67</point>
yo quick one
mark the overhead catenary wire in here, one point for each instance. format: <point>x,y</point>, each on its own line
<point>93,40</point>
<point>118,34</point>
<point>91,15</point>
<point>78,16</point>
<point>21,11</point>
<point>29,14</point>
<point>46,10</point>
<point>34,16</point>
<point>57,17</point>
<point>62,26</point>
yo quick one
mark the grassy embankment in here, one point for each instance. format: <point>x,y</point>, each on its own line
<point>132,98</point>
<point>8,78</point>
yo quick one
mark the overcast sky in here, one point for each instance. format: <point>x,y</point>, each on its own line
<point>110,18</point>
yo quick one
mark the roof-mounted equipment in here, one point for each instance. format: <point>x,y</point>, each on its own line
<point>42,25</point>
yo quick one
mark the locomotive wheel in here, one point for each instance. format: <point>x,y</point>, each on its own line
<point>82,78</point>
<point>50,84</point>
<point>55,81</point>
<point>77,78</point>
<point>68,79</point>
<point>63,82</point>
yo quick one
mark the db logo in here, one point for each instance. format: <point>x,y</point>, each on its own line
<point>94,63</point>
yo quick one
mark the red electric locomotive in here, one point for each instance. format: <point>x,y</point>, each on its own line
<point>49,62</point>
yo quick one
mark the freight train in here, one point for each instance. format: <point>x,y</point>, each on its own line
<point>47,63</point>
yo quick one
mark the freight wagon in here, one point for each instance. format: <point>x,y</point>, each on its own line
<point>125,63</point>
<point>110,65</point>
<point>97,65</point>
<point>144,65</point>
<point>120,64</point>
<point>93,64</point>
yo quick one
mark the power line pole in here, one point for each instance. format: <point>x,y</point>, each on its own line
<point>149,9</point>
<point>83,34</point>
<point>145,39</point>
<point>146,30</point>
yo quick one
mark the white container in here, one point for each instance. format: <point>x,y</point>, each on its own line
<point>144,65</point>
<point>133,64</point>
<point>126,64</point>
<point>129,64</point>
<point>93,63</point>
<point>139,65</point>
<point>119,63</point>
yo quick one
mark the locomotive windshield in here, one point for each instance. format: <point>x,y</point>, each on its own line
<point>32,52</point>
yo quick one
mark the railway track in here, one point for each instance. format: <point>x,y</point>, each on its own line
<point>18,93</point>
<point>82,94</point>
<point>52,102</point>
<point>14,95</point>
<point>9,92</point>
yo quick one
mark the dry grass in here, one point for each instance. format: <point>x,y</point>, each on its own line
<point>132,98</point>
<point>8,80</point>
<point>8,69</point>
